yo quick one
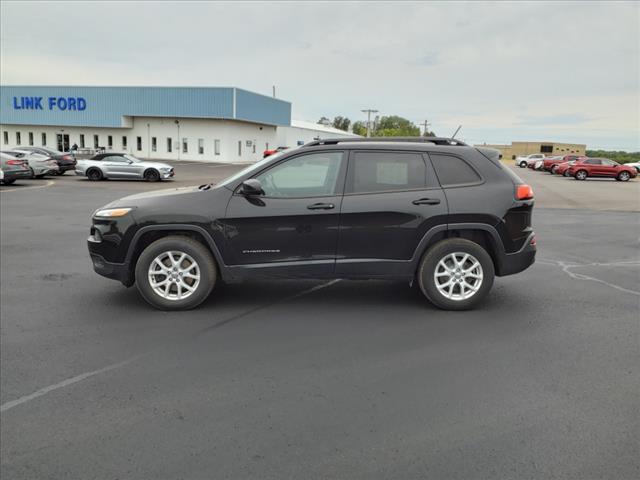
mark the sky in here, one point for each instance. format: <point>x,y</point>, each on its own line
<point>505,71</point>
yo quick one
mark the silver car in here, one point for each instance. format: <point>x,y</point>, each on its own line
<point>39,164</point>
<point>122,166</point>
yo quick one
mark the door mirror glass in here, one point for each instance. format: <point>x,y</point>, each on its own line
<point>251,187</point>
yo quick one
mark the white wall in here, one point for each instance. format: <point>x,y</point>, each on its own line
<point>290,136</point>
<point>227,131</point>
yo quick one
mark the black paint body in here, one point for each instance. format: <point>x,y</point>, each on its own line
<point>345,235</point>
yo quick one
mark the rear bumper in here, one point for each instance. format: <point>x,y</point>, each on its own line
<point>511,263</point>
<point>16,174</point>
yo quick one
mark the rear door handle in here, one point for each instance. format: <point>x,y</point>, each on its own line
<point>321,206</point>
<point>426,201</point>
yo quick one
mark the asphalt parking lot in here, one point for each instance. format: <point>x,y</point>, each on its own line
<point>312,379</point>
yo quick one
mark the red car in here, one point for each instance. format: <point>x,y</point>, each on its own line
<point>601,167</point>
<point>550,162</point>
<point>269,152</point>
<point>563,168</point>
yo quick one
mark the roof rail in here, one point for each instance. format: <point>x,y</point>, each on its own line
<point>432,140</point>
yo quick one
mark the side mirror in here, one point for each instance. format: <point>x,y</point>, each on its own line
<point>251,187</point>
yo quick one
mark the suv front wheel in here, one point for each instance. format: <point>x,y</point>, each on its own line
<point>456,274</point>
<point>175,273</point>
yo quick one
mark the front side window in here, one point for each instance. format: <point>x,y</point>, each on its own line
<point>453,170</point>
<point>593,161</point>
<point>313,175</point>
<point>372,172</point>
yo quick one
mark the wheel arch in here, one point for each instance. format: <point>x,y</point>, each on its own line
<point>149,234</point>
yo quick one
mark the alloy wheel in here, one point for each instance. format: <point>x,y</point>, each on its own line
<point>174,275</point>
<point>458,276</point>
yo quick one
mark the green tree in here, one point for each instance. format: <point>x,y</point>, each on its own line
<point>359,128</point>
<point>341,123</point>
<point>324,121</point>
<point>617,156</point>
<point>395,126</point>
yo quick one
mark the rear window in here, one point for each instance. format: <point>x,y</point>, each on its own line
<point>386,171</point>
<point>453,170</point>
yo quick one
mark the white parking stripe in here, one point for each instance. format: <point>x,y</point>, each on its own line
<point>65,383</point>
<point>20,189</point>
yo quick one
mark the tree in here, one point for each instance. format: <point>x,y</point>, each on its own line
<point>395,126</point>
<point>359,128</point>
<point>324,121</point>
<point>341,123</point>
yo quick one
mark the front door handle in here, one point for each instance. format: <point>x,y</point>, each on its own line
<point>426,201</point>
<point>321,206</point>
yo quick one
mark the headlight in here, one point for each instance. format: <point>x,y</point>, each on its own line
<point>166,169</point>
<point>112,212</point>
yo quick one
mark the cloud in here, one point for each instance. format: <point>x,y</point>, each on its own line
<point>516,68</point>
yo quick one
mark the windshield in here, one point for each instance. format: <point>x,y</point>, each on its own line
<point>132,158</point>
<point>255,167</point>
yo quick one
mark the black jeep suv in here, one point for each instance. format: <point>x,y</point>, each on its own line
<point>434,210</point>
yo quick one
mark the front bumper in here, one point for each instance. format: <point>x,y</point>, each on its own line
<point>167,175</point>
<point>114,271</point>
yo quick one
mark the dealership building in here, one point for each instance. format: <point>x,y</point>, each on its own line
<point>515,149</point>
<point>214,124</point>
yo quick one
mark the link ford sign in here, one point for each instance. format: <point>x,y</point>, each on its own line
<point>50,103</point>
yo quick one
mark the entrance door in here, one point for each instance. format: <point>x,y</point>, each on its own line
<point>292,228</point>
<point>62,141</point>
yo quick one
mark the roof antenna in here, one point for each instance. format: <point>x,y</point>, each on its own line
<point>456,132</point>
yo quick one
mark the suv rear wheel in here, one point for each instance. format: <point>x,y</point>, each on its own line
<point>456,274</point>
<point>175,273</point>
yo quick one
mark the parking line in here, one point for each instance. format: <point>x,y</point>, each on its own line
<point>20,189</point>
<point>65,383</point>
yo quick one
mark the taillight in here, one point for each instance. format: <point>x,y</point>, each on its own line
<point>524,192</point>
<point>66,157</point>
<point>15,162</point>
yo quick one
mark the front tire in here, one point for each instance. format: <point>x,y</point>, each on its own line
<point>175,273</point>
<point>522,164</point>
<point>456,274</point>
<point>624,176</point>
<point>152,175</point>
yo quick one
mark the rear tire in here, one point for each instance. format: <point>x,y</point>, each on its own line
<point>623,176</point>
<point>152,175</point>
<point>94,174</point>
<point>581,175</point>
<point>456,286</point>
<point>197,262</point>
<point>522,164</point>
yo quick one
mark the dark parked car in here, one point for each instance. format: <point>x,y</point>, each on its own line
<point>435,211</point>
<point>601,167</point>
<point>65,161</point>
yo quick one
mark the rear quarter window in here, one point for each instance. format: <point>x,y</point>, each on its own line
<point>453,170</point>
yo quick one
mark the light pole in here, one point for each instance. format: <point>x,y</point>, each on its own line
<point>369,112</point>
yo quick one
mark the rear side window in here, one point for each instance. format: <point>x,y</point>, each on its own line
<point>371,172</point>
<point>453,170</point>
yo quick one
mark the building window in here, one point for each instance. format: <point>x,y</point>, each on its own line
<point>6,137</point>
<point>254,147</point>
<point>44,139</point>
<point>139,143</point>
<point>185,146</point>
<point>154,144</point>
<point>110,141</point>
<point>216,147</point>
<point>31,138</point>
<point>96,142</point>
<point>124,142</point>
<point>82,140</point>
<point>546,148</point>
<point>18,139</point>
<point>169,145</point>
<point>200,146</point>
<point>239,148</point>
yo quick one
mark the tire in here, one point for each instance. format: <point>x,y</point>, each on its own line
<point>152,175</point>
<point>94,174</point>
<point>9,182</point>
<point>33,174</point>
<point>40,176</point>
<point>173,247</point>
<point>59,173</point>
<point>581,175</point>
<point>522,164</point>
<point>554,170</point>
<point>442,252</point>
<point>566,173</point>
<point>623,176</point>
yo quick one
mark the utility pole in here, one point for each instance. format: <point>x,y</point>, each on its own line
<point>426,127</point>
<point>369,112</point>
